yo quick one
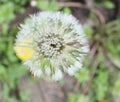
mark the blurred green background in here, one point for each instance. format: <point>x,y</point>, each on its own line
<point>99,81</point>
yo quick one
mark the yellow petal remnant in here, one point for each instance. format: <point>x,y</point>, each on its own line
<point>23,51</point>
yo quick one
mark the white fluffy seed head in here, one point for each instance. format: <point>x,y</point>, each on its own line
<point>51,43</point>
<point>58,75</point>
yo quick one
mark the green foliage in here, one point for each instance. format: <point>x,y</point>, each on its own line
<point>6,12</point>
<point>88,31</point>
<point>72,98</point>
<point>24,95</point>
<point>2,70</point>
<point>109,4</point>
<point>11,71</point>
<point>116,89</point>
<point>19,2</point>
<point>77,98</point>
<point>81,98</point>
<point>113,36</point>
<point>83,75</point>
<point>51,6</point>
<point>45,5</point>
<point>104,76</point>
<point>106,3</point>
<point>101,85</point>
<point>67,10</point>
<point>5,94</point>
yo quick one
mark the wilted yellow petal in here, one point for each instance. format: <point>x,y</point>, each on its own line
<point>23,51</point>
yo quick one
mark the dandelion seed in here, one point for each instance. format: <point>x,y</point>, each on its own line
<point>52,43</point>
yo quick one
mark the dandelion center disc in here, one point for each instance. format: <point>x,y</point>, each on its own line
<point>50,45</point>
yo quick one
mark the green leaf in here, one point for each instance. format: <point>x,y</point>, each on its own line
<point>101,84</point>
<point>83,75</point>
<point>116,88</point>
<point>5,28</point>
<point>2,69</point>
<point>10,53</point>
<point>53,6</point>
<point>6,12</point>
<point>43,4</point>
<point>24,95</point>
<point>16,71</point>
<point>81,98</point>
<point>89,32</point>
<point>67,10</point>
<point>3,45</point>
<point>5,92</point>
<point>72,98</point>
<point>109,4</point>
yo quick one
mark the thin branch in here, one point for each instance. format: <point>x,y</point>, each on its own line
<point>90,3</point>
<point>77,85</point>
<point>80,5</point>
<point>71,4</point>
<point>96,63</point>
<point>87,85</point>
<point>98,14</point>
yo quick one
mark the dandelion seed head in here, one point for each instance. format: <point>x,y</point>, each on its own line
<point>51,43</point>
